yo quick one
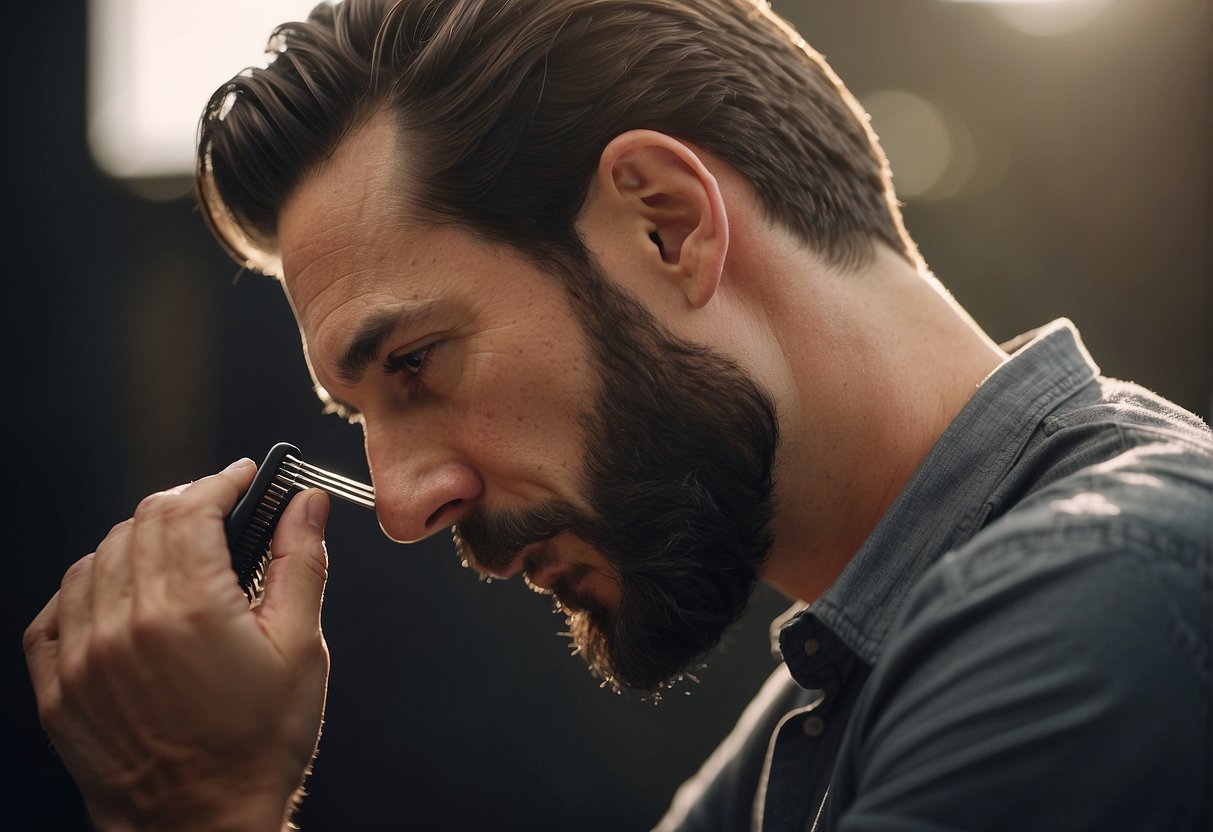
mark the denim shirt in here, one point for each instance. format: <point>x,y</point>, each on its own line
<point>1021,643</point>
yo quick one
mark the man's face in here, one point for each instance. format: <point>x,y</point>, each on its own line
<point>678,480</point>
<point>622,470</point>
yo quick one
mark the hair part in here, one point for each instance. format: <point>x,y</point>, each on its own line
<point>506,105</point>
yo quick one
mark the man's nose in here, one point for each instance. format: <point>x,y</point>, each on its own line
<point>419,490</point>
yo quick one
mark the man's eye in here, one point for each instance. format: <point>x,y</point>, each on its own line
<point>410,362</point>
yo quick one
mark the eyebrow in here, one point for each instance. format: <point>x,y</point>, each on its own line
<point>370,335</point>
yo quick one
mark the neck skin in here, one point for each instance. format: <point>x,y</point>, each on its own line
<point>868,366</point>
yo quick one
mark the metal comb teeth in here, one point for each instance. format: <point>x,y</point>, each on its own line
<point>250,526</point>
<point>309,476</point>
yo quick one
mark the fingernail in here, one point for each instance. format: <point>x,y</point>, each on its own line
<point>238,464</point>
<point>318,509</point>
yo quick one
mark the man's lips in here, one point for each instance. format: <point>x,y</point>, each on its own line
<point>547,578</point>
<point>541,568</point>
<point>532,558</point>
<point>544,572</point>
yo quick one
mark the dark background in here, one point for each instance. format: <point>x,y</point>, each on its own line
<point>134,362</point>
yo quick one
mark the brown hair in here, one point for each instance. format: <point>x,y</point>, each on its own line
<point>506,106</point>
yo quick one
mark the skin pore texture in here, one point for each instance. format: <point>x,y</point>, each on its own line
<point>478,398</point>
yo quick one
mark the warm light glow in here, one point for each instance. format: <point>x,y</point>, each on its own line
<point>931,151</point>
<point>1023,2</point>
<point>1044,18</point>
<point>152,66</point>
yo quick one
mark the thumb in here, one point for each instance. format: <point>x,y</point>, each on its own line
<point>294,582</point>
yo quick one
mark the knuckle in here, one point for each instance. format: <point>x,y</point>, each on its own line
<point>147,625</point>
<point>32,637</point>
<point>108,642</point>
<point>73,672</point>
<point>149,506</point>
<point>79,569</point>
<point>166,506</point>
<point>118,531</point>
<point>151,627</point>
<point>177,511</point>
<point>50,708</point>
<point>175,507</point>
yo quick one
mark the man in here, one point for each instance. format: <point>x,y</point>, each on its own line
<point>619,290</point>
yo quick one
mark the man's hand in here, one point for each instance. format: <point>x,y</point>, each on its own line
<point>172,703</point>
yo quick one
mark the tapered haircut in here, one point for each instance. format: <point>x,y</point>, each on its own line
<point>504,107</point>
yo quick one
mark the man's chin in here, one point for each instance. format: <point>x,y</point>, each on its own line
<point>589,630</point>
<point>596,634</point>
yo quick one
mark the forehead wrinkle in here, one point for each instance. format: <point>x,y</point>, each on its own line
<point>347,206</point>
<point>336,258</point>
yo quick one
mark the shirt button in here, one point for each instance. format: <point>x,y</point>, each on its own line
<point>813,726</point>
<point>811,647</point>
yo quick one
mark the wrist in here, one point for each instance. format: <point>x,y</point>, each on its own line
<point>225,813</point>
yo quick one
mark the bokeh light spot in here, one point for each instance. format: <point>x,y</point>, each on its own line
<point>931,150</point>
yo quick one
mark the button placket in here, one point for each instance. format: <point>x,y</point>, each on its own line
<point>813,726</point>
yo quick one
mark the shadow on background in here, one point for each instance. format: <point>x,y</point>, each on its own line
<point>1076,182</point>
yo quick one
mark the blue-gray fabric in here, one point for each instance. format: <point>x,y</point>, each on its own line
<point>1022,642</point>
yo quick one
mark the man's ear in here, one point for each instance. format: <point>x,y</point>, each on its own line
<point>671,208</point>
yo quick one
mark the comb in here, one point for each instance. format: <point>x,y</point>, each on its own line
<point>250,526</point>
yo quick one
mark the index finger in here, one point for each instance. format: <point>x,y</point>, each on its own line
<point>222,490</point>
<point>214,494</point>
<point>181,531</point>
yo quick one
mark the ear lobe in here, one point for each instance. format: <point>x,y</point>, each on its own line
<point>677,212</point>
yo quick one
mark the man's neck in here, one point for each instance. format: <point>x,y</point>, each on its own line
<point>878,362</point>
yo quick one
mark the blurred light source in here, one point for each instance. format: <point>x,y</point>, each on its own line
<point>1022,2</point>
<point>153,65</point>
<point>931,151</point>
<point>1044,17</point>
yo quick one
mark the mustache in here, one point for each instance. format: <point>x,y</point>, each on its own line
<point>493,539</point>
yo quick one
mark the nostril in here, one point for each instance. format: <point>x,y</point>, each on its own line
<point>444,510</point>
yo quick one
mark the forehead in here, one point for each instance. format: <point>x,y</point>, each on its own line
<point>351,252</point>
<point>341,221</point>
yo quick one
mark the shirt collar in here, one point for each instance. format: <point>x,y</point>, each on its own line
<point>945,501</point>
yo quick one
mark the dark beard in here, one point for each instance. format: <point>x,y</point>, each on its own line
<point>678,473</point>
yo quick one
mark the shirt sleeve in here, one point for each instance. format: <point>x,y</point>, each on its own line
<point>1057,680</point>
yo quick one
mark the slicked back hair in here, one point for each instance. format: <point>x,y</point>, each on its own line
<point>504,107</point>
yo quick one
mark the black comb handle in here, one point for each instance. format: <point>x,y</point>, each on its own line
<point>250,526</point>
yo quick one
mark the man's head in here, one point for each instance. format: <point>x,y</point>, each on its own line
<point>614,464</point>
<point>506,106</point>
<point>417,173</point>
